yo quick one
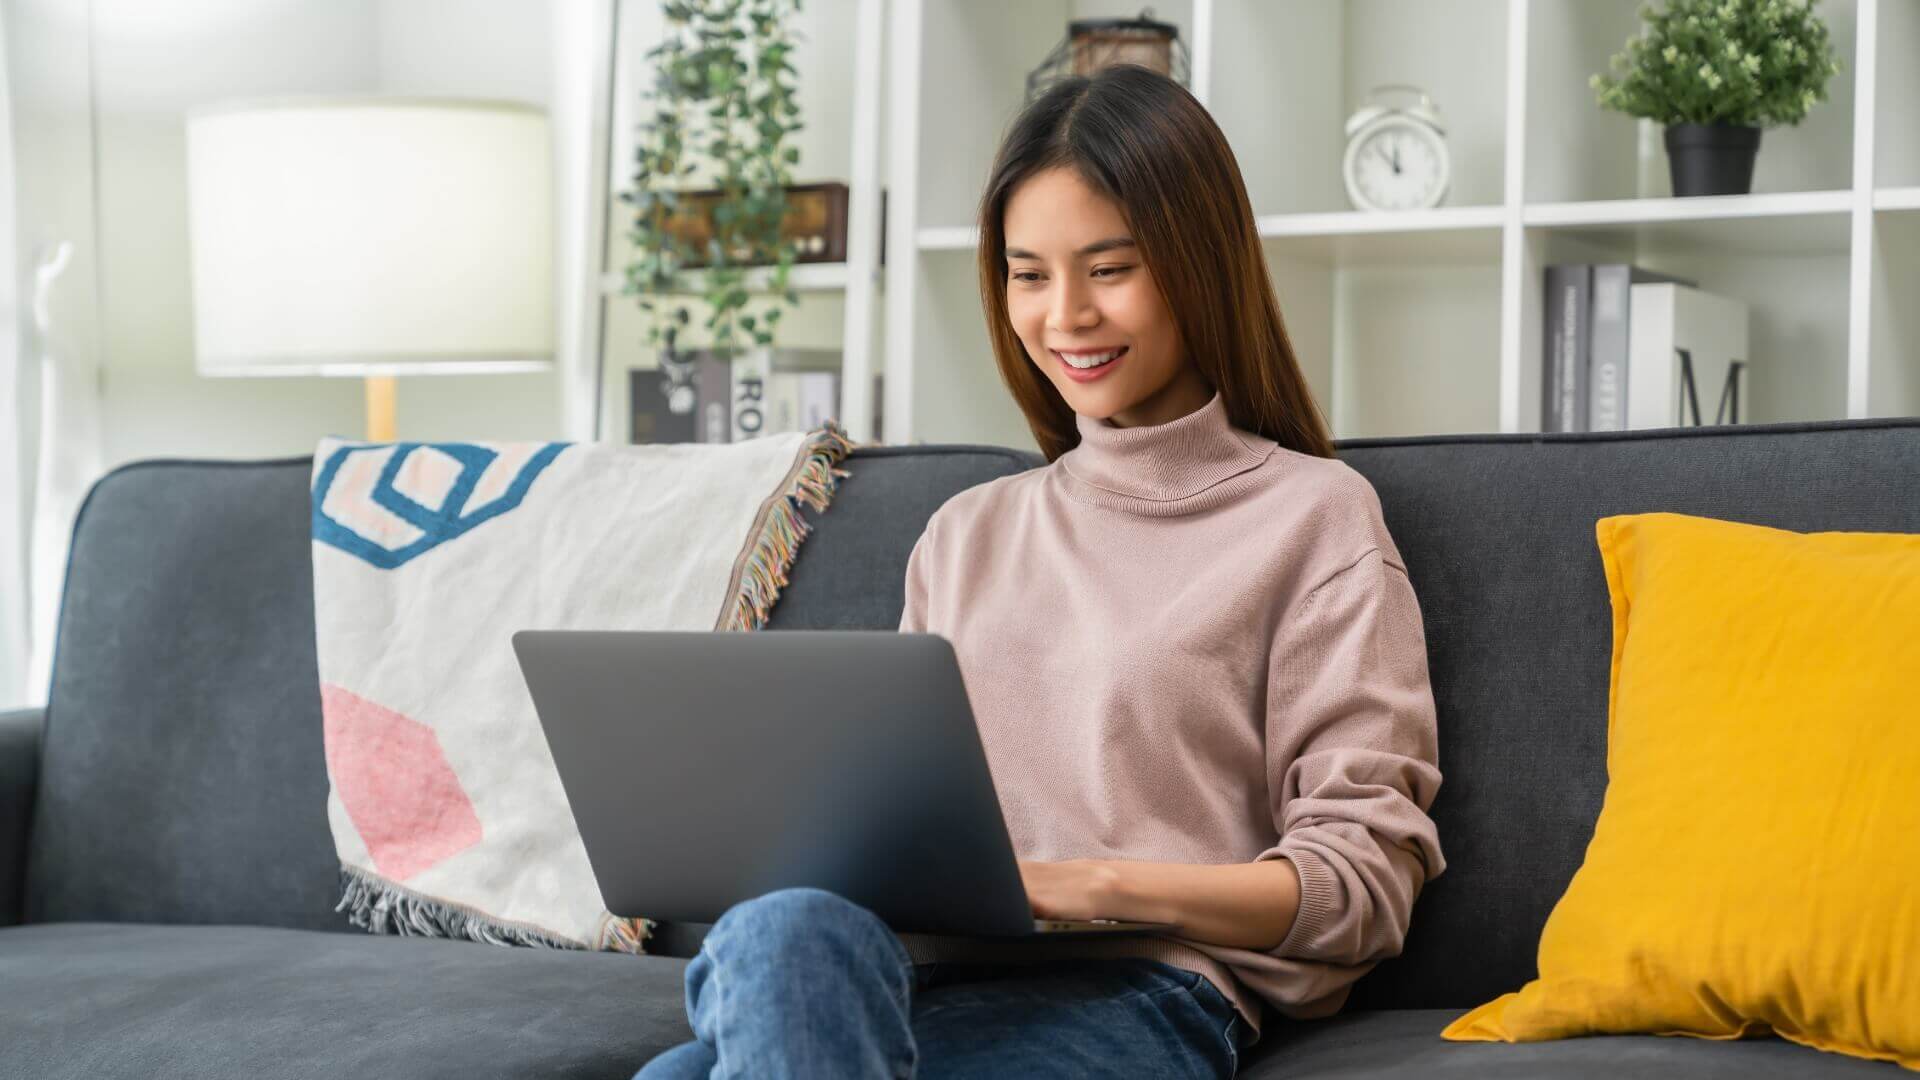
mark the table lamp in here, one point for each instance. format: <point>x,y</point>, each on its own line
<point>370,237</point>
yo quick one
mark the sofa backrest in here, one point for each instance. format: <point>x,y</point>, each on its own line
<point>183,774</point>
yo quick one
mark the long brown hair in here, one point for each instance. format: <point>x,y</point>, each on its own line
<point>1143,141</point>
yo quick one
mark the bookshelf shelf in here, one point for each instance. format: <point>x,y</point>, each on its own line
<point>1699,208</point>
<point>1907,198</point>
<point>803,277</point>
<point>1431,321</point>
<point>949,238</point>
<point>1359,223</point>
<point>1405,323</point>
<point>839,82</point>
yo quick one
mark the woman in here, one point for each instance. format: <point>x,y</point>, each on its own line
<point>1195,659</point>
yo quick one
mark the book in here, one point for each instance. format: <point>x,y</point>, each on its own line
<point>653,417</point>
<point>819,398</point>
<point>1687,357</point>
<point>1608,320</point>
<point>750,369</point>
<point>783,402</point>
<point>744,393</point>
<point>713,385</point>
<point>1563,383</point>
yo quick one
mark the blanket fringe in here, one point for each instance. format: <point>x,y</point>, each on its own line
<point>381,907</point>
<point>774,548</point>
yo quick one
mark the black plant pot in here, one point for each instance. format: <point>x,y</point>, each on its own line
<point>1711,159</point>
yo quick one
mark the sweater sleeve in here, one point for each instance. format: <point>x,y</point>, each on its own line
<point>1352,762</point>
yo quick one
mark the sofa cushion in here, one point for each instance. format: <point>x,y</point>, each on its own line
<point>98,1001</point>
<point>1406,1044</point>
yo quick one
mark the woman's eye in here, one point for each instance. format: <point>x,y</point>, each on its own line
<point>1028,276</point>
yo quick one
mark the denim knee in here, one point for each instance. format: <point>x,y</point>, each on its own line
<point>804,920</point>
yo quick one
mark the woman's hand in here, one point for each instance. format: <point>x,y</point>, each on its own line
<point>1245,905</point>
<point>1074,889</point>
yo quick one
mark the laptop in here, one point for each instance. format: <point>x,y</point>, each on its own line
<point>705,768</point>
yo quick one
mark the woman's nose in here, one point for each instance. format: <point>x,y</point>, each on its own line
<point>1070,308</point>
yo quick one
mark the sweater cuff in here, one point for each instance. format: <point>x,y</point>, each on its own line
<point>1317,898</point>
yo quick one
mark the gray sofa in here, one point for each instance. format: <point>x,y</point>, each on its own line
<point>167,880</point>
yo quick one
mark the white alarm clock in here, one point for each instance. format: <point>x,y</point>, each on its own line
<point>1396,157</point>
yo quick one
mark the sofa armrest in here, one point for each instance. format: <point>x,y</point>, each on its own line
<point>19,775</point>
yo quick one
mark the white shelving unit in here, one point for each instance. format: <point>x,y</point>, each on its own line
<point>1430,321</point>
<point>841,73</point>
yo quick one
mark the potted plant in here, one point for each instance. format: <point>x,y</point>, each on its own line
<point>720,99</point>
<point>1715,72</point>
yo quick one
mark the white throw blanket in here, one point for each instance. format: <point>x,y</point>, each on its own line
<point>446,812</point>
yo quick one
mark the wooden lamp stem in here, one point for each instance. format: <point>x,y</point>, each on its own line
<point>380,395</point>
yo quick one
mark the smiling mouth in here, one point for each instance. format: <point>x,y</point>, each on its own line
<point>1090,361</point>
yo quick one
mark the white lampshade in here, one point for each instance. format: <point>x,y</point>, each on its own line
<point>371,236</point>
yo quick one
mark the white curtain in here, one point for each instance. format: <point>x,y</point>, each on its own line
<point>15,601</point>
<point>50,441</point>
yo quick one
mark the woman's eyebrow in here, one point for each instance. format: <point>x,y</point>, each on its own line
<point>1094,248</point>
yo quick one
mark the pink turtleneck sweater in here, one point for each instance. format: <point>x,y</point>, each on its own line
<point>1185,643</point>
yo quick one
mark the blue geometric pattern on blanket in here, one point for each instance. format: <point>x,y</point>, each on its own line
<point>435,524</point>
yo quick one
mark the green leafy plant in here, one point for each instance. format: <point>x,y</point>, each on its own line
<point>1749,63</point>
<point>720,98</point>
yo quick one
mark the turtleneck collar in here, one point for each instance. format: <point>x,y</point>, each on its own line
<point>1157,468</point>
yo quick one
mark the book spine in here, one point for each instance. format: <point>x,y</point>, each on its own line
<point>750,371</point>
<point>1564,321</point>
<point>1606,390</point>
<point>1573,393</point>
<point>713,383</point>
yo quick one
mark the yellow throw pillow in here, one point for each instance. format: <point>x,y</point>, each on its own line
<point>1756,862</point>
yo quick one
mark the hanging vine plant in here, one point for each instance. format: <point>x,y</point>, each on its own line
<point>721,98</point>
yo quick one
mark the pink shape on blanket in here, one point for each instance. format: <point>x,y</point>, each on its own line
<point>395,783</point>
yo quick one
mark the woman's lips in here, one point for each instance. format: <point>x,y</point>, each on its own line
<point>1090,374</point>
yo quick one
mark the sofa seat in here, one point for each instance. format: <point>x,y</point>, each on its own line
<point>106,1000</point>
<point>1406,1043</point>
<point>101,1001</point>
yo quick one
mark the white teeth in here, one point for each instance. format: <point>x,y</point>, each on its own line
<point>1092,360</point>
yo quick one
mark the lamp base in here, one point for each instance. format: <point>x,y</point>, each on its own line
<point>380,395</point>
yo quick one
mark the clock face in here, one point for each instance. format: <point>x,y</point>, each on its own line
<point>1396,164</point>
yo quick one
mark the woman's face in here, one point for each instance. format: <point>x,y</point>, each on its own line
<point>1077,285</point>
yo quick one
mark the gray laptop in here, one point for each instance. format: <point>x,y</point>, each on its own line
<point>706,768</point>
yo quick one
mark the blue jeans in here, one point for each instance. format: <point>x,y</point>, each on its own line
<point>802,983</point>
